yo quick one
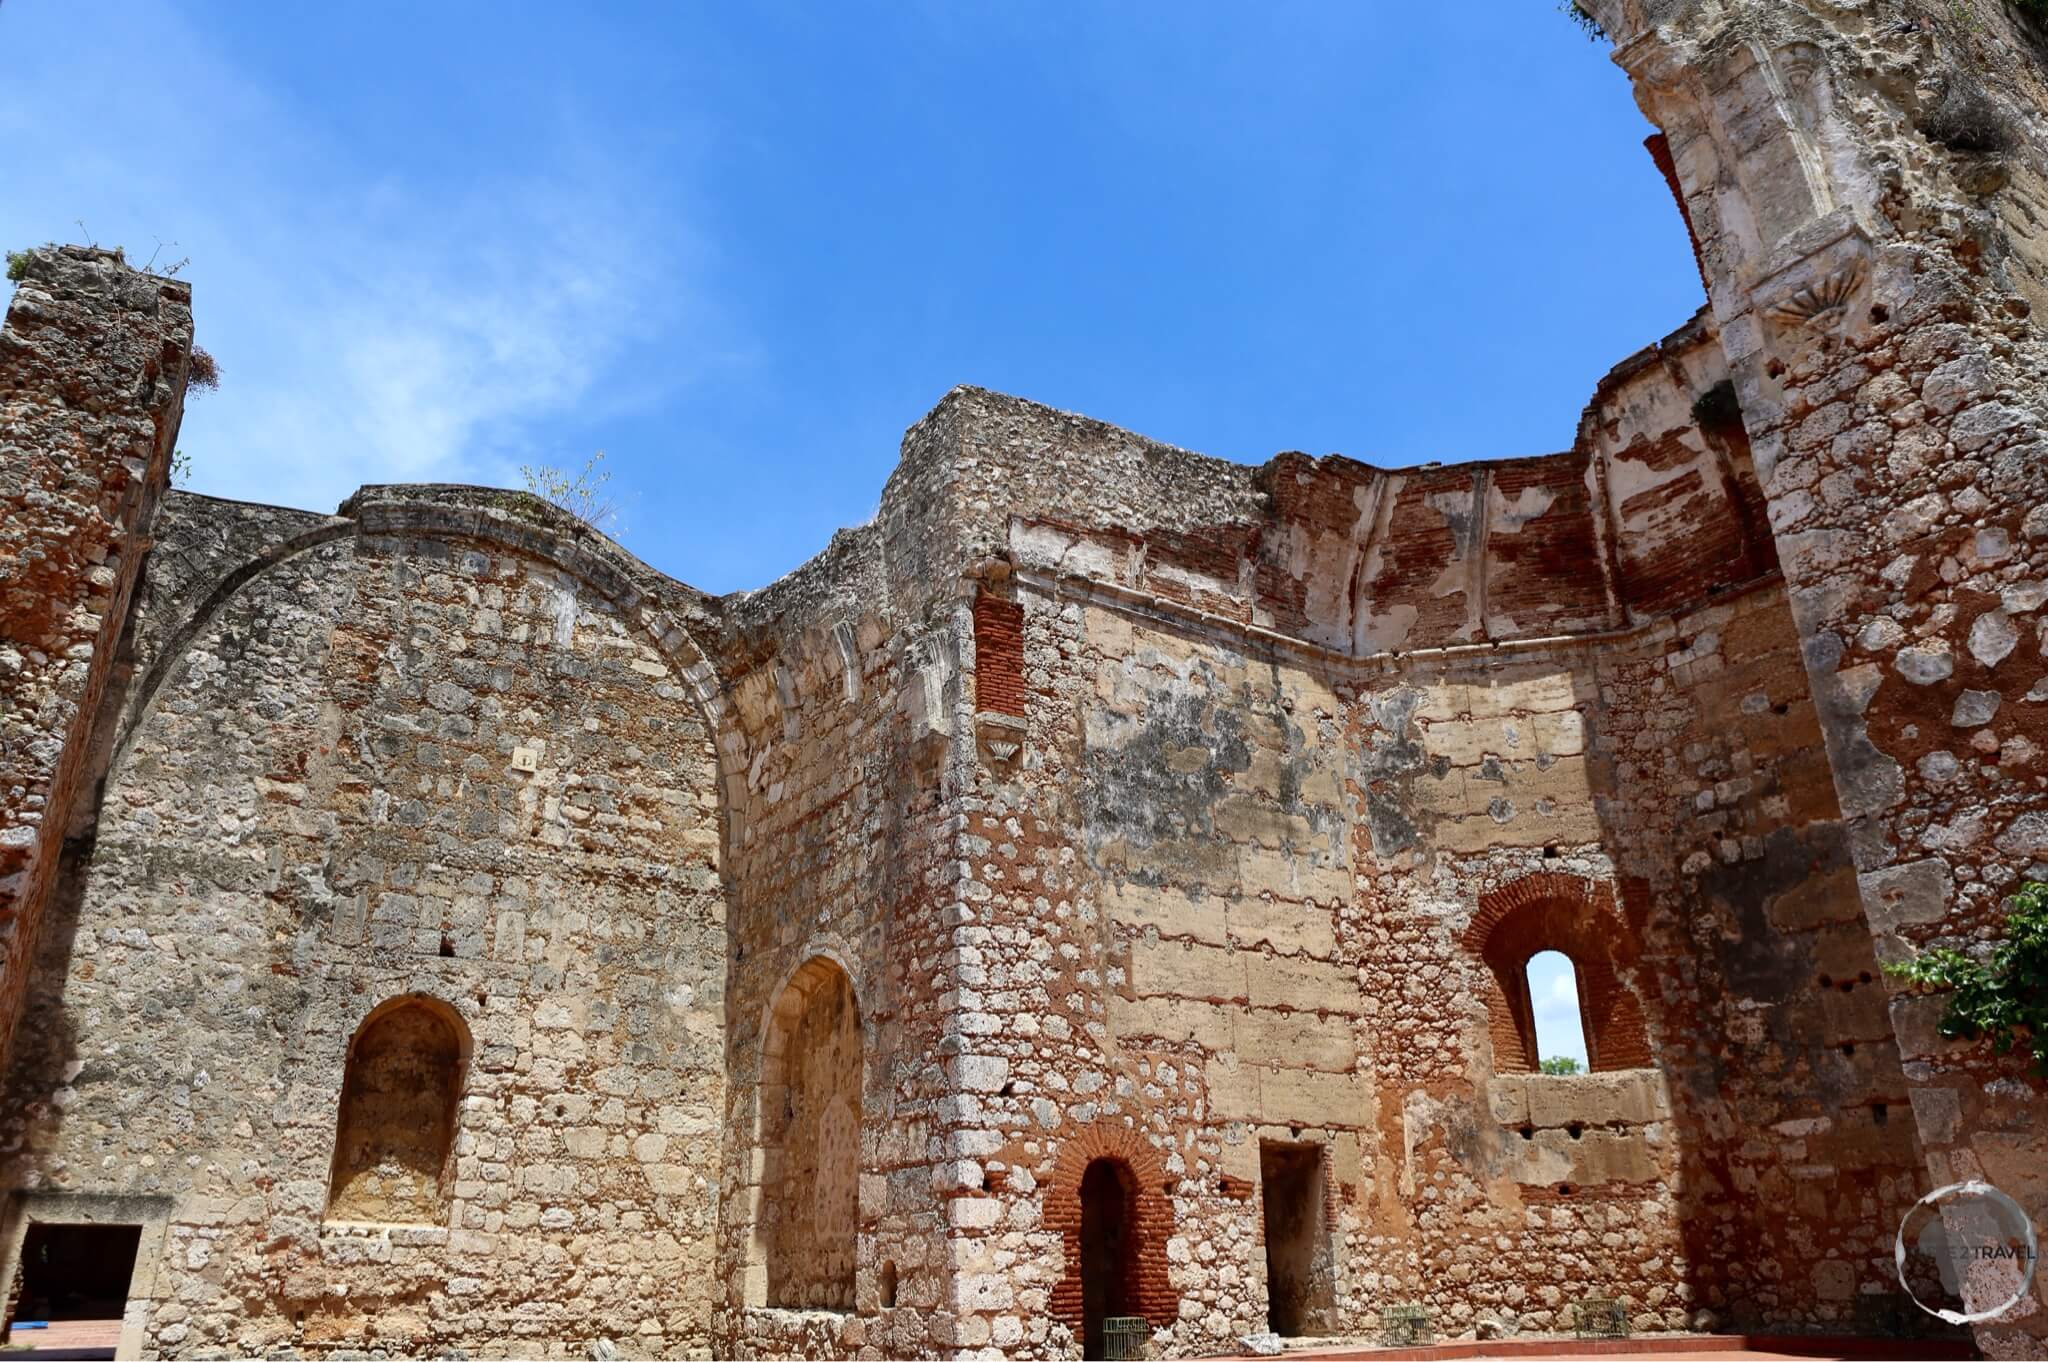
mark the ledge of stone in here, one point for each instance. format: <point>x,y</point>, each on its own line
<point>1621,1097</point>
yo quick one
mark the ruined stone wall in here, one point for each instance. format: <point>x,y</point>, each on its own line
<point>92,387</point>
<point>845,692</point>
<point>1232,895</point>
<point>1650,510</point>
<point>1866,187</point>
<point>426,749</point>
<point>1230,877</point>
<point>1105,835</point>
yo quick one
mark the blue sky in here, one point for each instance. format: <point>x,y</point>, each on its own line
<point>741,247</point>
<point>1554,998</point>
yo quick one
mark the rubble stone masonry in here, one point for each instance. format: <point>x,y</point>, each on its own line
<point>1868,189</point>
<point>1103,884</point>
<point>92,385</point>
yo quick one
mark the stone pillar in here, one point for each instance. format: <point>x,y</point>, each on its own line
<point>92,384</point>
<point>1860,184</point>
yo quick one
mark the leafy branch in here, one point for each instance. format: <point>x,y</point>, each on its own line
<point>2005,997</point>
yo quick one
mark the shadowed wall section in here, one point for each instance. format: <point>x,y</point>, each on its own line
<point>92,390</point>
<point>810,1110</point>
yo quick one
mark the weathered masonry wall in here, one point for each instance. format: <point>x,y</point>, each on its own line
<point>422,753</point>
<point>1648,511</point>
<point>1868,198</point>
<point>1103,884</point>
<point>92,385</point>
<point>1133,839</point>
<point>1236,895</point>
<point>845,690</point>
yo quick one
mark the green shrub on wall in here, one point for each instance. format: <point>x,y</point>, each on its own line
<point>2004,997</point>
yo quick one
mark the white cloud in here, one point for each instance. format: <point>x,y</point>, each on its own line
<point>369,328</point>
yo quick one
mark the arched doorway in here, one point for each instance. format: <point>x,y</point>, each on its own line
<point>1109,1196</point>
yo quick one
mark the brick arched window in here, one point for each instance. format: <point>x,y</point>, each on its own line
<point>1111,1172</point>
<point>1579,918</point>
<point>807,1206</point>
<point>401,1088</point>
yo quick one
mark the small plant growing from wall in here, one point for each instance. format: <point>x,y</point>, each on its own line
<point>2004,997</point>
<point>582,492</point>
<point>1590,26</point>
<point>1717,409</point>
<point>1965,119</point>
<point>203,373</point>
<point>1559,1064</point>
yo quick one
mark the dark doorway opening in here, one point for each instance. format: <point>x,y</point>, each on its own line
<point>73,1272</point>
<point>1300,1289</point>
<point>1109,1204</point>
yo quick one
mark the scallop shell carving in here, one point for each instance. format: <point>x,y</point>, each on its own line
<point>1821,299</point>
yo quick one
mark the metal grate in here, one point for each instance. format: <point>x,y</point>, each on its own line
<point>1599,1317</point>
<point>1406,1326</point>
<point>1124,1337</point>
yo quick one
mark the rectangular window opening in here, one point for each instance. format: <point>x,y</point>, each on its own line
<point>1300,1276</point>
<point>71,1289</point>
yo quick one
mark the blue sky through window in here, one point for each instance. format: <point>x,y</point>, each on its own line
<point>1554,995</point>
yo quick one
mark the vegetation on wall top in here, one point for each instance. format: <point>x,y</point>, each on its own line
<point>581,492</point>
<point>1577,13</point>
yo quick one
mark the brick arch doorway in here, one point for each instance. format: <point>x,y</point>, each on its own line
<point>1109,1248</point>
<point>1146,1224</point>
